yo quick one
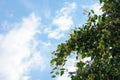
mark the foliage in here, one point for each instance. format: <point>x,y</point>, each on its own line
<point>98,39</point>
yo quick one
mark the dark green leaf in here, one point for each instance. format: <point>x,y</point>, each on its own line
<point>62,72</point>
<point>57,73</point>
<point>80,64</point>
<point>53,76</point>
<point>92,11</point>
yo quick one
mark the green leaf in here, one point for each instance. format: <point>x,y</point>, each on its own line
<point>51,72</point>
<point>80,64</point>
<point>62,72</point>
<point>95,16</point>
<point>62,69</point>
<point>73,78</point>
<point>107,69</point>
<point>57,73</point>
<point>85,11</point>
<point>53,61</point>
<point>93,40</point>
<point>92,11</point>
<point>53,76</point>
<point>101,1</point>
<point>54,68</point>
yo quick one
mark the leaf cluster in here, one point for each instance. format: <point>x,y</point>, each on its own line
<point>98,39</point>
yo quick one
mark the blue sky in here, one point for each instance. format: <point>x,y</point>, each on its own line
<point>31,29</point>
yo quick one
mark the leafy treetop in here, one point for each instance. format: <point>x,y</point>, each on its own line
<point>98,39</point>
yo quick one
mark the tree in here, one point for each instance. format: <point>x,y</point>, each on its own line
<point>98,39</point>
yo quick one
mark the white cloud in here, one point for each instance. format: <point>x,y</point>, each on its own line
<point>46,44</point>
<point>96,7</point>
<point>1,37</point>
<point>64,77</point>
<point>36,62</point>
<point>26,78</point>
<point>56,34</point>
<point>63,20</point>
<point>15,50</point>
<point>67,9</point>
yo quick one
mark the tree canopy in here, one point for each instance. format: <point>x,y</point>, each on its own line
<point>98,39</point>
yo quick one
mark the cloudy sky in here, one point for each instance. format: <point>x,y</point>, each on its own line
<point>31,29</point>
